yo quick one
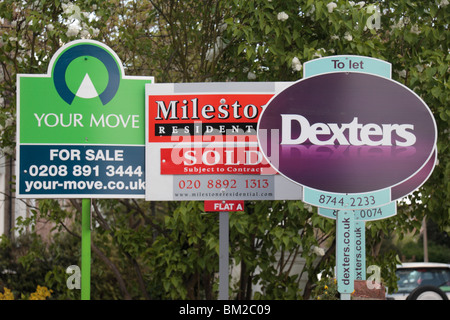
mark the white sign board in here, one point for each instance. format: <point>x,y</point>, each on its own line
<point>201,143</point>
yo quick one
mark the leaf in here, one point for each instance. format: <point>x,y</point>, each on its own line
<point>436,92</point>
<point>166,285</point>
<point>286,240</point>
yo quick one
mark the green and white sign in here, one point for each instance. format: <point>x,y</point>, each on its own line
<point>81,127</point>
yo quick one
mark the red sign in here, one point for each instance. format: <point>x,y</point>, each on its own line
<point>186,116</point>
<point>201,143</point>
<point>228,205</point>
<point>213,160</point>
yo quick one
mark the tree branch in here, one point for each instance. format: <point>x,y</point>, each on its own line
<point>114,269</point>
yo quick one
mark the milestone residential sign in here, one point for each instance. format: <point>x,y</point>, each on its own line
<point>201,143</point>
<point>80,128</point>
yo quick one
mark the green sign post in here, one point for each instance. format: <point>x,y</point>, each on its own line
<point>81,132</point>
<point>86,249</point>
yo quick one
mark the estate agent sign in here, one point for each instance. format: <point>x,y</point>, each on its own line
<point>356,141</point>
<point>81,127</point>
<point>349,137</point>
<point>201,143</point>
<point>346,138</point>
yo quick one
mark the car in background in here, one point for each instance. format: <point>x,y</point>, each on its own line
<point>422,281</point>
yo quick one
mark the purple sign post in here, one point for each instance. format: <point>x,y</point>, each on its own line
<point>351,136</point>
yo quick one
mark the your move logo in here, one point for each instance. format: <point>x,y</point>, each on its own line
<point>84,97</point>
<point>87,89</point>
<point>347,132</point>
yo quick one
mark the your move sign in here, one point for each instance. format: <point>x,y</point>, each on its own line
<point>81,127</point>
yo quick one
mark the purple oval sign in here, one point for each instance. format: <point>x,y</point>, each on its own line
<point>347,132</point>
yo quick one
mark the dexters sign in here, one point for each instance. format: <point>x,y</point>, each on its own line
<point>348,137</point>
<point>356,141</point>
<point>81,126</point>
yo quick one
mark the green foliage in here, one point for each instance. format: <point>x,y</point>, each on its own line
<point>326,289</point>
<point>156,250</point>
<point>14,262</point>
<point>28,262</point>
<point>186,255</point>
<point>437,252</point>
<point>412,250</point>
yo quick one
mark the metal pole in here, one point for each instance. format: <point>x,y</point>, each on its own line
<point>86,249</point>
<point>345,296</point>
<point>223,254</point>
<point>425,239</point>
